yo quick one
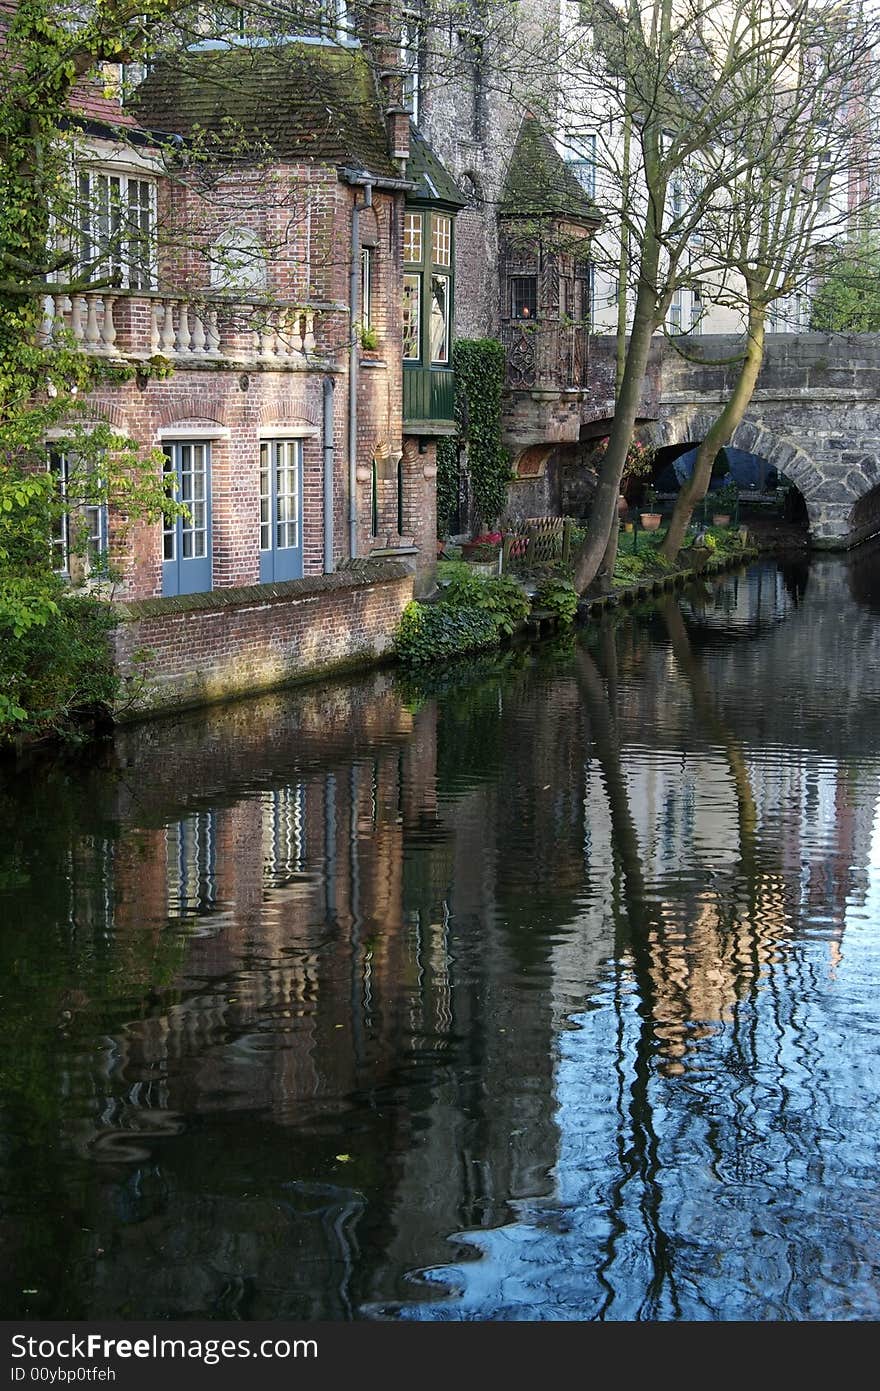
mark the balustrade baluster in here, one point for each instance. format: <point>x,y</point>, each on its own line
<point>167,327</point>
<point>108,327</point>
<point>155,330</point>
<point>47,327</point>
<point>77,306</point>
<point>182,342</point>
<point>93,333</point>
<point>213,332</point>
<point>199,337</point>
<point>309,335</point>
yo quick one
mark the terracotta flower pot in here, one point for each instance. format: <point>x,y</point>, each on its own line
<point>622,505</point>
<point>650,520</point>
<point>721,519</point>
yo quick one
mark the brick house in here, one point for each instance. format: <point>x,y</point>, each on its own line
<point>283,248</point>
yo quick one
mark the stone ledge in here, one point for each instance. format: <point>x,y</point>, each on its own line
<point>357,575</point>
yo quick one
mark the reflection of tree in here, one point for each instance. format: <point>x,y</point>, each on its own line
<point>639,1158</point>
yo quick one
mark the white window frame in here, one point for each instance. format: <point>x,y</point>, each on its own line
<point>95,514</point>
<point>277,455</point>
<point>116,260</point>
<point>580,156</point>
<point>367,286</point>
<point>413,238</point>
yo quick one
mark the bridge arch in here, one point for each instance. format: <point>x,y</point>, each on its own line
<point>839,512</point>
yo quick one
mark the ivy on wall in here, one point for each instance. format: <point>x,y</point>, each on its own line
<point>479,365</point>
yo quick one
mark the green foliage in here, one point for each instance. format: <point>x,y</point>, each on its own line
<point>725,498</point>
<point>502,598</point>
<point>447,482</point>
<point>53,674</point>
<point>434,632</point>
<point>849,298</point>
<point>558,595</point>
<point>480,366</point>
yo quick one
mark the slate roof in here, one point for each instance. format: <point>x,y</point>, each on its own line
<point>433,182</point>
<point>302,101</point>
<point>539,183</point>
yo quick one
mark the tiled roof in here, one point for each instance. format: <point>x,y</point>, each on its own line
<point>539,183</point>
<point>433,182</point>
<point>301,101</point>
<point>88,101</point>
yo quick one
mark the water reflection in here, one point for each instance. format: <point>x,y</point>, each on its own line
<point>544,991</point>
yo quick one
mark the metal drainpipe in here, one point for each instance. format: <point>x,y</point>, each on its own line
<point>329,456</point>
<point>354,302</point>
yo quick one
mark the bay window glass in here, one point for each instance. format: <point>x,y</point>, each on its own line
<point>441,240</point>
<point>412,237</point>
<point>412,295</point>
<point>439,314</point>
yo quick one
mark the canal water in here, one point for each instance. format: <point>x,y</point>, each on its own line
<point>546,989</point>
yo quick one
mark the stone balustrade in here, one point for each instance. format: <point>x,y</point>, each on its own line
<point>143,325</point>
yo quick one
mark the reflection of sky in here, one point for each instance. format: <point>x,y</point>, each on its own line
<point>747,1187</point>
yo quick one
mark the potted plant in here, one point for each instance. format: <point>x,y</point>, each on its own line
<point>638,464</point>
<point>724,500</point>
<point>482,549</point>
<point>369,341</point>
<point>650,516</point>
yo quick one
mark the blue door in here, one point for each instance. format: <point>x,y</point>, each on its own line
<point>281,552</point>
<point>186,540</point>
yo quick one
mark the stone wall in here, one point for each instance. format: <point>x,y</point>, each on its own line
<point>193,649</point>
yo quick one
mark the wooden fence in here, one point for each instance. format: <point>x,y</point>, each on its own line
<point>538,541</point>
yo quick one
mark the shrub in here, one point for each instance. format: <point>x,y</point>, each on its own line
<point>560,596</point>
<point>433,632</point>
<point>52,676</point>
<point>502,598</point>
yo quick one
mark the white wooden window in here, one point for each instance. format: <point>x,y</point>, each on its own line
<point>580,156</point>
<point>280,467</point>
<point>366,286</point>
<point>412,237</point>
<point>441,240</point>
<point>116,227</point>
<point>81,527</point>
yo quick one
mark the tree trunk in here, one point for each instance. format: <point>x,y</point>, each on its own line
<point>603,513</point>
<point>694,489</point>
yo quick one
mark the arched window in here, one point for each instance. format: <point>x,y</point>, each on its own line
<point>238,261</point>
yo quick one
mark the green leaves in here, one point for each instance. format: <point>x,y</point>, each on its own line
<point>560,597</point>
<point>435,632</point>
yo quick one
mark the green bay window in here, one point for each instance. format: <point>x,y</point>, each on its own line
<point>428,290</point>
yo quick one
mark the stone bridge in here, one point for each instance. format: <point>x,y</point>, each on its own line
<point>815,415</point>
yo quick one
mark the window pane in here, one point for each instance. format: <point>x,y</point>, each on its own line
<point>366,287</point>
<point>412,236</point>
<point>265,503</point>
<point>60,534</point>
<point>169,527</point>
<point>412,295</point>
<point>523,297</point>
<point>441,241</point>
<point>439,318</point>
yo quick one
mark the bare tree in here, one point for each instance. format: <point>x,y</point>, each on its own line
<point>799,198</point>
<point>697,86</point>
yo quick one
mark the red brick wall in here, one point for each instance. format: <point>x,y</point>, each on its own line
<point>201,648</point>
<point>312,210</point>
